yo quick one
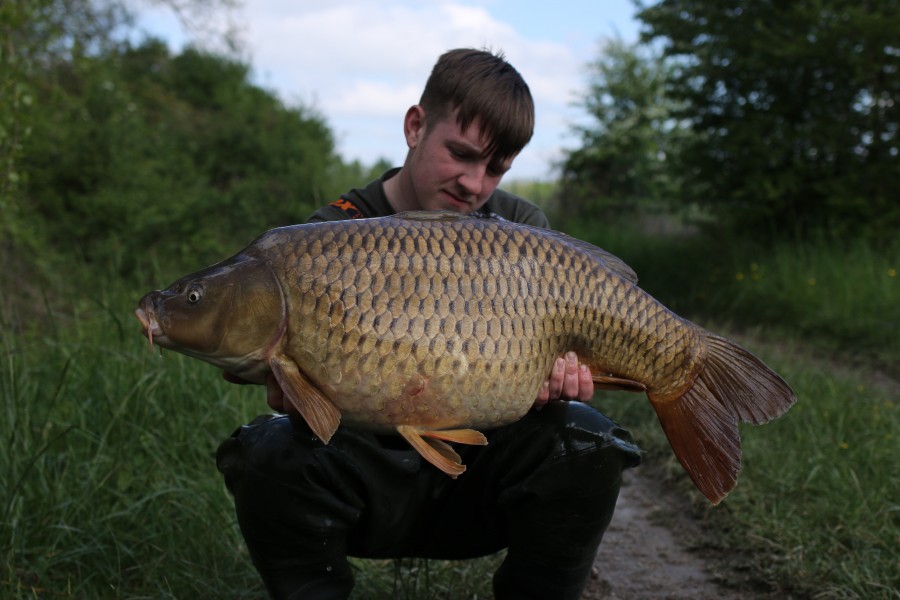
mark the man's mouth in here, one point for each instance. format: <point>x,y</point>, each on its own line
<point>457,200</point>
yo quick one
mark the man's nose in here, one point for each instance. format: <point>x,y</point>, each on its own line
<point>472,178</point>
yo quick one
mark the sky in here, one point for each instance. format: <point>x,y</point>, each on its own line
<point>362,64</point>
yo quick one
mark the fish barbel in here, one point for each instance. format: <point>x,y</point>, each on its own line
<point>435,325</point>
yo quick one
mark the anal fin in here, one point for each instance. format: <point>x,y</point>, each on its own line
<point>320,413</point>
<point>469,437</point>
<point>431,445</point>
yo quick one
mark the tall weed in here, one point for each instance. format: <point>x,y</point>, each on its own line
<point>843,295</point>
<point>110,485</point>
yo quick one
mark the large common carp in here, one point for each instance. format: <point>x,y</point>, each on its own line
<point>437,325</point>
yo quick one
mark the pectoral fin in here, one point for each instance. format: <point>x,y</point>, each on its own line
<point>608,382</point>
<point>429,444</point>
<point>322,416</point>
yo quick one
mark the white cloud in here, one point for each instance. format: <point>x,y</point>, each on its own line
<point>362,64</point>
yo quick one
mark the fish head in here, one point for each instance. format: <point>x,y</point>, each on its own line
<point>231,315</point>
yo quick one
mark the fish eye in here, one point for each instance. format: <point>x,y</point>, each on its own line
<point>195,295</point>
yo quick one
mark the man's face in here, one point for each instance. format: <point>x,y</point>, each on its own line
<point>449,168</point>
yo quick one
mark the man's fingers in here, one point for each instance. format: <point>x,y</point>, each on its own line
<point>585,384</point>
<point>571,378</point>
<point>232,378</point>
<point>275,397</point>
<point>557,377</point>
<point>568,380</point>
<point>543,395</point>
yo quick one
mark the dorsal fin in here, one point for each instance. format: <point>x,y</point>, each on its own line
<point>609,260</point>
<point>613,262</point>
<point>431,215</point>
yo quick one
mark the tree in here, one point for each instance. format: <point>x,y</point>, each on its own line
<point>622,162</point>
<point>795,110</point>
<point>108,149</point>
<point>44,44</point>
<point>37,36</point>
<point>182,154</point>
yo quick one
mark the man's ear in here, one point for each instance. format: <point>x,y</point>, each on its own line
<point>414,126</point>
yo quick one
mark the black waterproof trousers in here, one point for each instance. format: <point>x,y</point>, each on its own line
<point>544,487</point>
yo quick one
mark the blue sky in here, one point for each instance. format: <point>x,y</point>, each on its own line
<point>361,64</point>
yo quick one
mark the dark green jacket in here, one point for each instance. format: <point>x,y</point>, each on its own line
<point>370,201</point>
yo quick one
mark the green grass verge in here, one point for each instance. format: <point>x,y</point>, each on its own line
<point>816,509</point>
<point>107,458</point>
<point>842,295</point>
<point>815,512</point>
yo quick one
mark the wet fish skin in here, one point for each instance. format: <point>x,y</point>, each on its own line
<point>434,326</point>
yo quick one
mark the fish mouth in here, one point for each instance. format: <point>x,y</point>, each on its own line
<point>150,326</point>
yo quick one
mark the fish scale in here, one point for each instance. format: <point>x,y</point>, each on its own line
<point>435,326</point>
<point>391,278</point>
<point>456,312</point>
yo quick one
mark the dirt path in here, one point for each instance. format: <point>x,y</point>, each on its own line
<point>641,559</point>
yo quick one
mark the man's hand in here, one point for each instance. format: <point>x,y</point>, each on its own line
<point>569,380</point>
<point>274,395</point>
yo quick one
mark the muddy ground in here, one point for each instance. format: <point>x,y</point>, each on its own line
<point>646,553</point>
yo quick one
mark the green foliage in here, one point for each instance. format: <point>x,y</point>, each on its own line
<point>836,293</point>
<point>110,487</point>
<point>15,97</point>
<point>544,194</point>
<point>625,150</point>
<point>846,424</point>
<point>138,150</point>
<point>794,107</point>
<point>33,36</point>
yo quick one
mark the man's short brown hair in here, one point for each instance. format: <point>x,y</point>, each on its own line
<point>481,84</point>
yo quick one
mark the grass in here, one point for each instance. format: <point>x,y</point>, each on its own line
<point>110,488</point>
<point>815,512</point>
<point>108,458</point>
<point>829,508</point>
<point>842,296</point>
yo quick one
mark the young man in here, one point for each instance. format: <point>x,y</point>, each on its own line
<point>544,487</point>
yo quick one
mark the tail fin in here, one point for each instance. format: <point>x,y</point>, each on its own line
<point>702,423</point>
<point>744,383</point>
